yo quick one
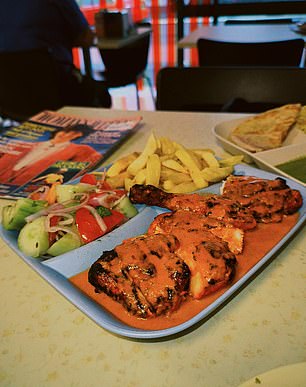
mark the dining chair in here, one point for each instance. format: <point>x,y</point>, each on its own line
<point>278,53</point>
<point>127,65</point>
<point>28,83</point>
<point>229,89</point>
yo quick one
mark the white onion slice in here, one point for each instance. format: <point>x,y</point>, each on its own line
<point>103,199</point>
<point>58,228</point>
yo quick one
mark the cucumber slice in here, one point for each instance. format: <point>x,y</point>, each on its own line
<point>33,240</point>
<point>66,243</point>
<point>65,192</point>
<point>13,215</point>
<point>126,207</point>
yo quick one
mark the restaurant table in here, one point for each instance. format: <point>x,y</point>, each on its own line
<point>113,44</point>
<point>251,33</point>
<point>47,341</point>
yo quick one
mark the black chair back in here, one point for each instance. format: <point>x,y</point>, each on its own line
<point>125,65</point>
<point>232,89</point>
<point>279,53</point>
<point>259,21</point>
<point>28,83</point>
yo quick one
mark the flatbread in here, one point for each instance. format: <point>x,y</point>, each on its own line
<point>266,130</point>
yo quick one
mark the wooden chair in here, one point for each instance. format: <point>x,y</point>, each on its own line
<point>232,89</point>
<point>28,83</point>
<point>280,53</point>
<point>127,65</point>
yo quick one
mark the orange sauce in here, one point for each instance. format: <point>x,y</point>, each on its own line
<point>257,243</point>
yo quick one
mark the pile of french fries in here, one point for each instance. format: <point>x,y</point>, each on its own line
<point>170,166</point>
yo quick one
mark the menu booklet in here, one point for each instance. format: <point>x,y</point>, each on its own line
<point>54,143</point>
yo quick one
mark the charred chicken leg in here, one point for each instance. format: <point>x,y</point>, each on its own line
<point>213,206</point>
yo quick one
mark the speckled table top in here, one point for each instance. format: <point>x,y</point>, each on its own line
<point>46,341</point>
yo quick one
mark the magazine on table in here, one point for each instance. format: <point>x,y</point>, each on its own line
<point>55,144</point>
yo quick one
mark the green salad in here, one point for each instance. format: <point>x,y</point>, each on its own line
<point>62,217</point>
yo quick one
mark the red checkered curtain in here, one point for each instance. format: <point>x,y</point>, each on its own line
<point>163,35</point>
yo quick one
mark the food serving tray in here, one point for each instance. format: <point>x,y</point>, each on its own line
<point>293,147</point>
<point>58,270</point>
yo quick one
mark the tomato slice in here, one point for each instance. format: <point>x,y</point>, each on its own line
<point>87,225</point>
<point>89,178</point>
<point>104,185</point>
<point>113,220</point>
<point>89,228</point>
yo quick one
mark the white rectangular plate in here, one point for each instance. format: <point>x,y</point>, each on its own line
<point>293,147</point>
<point>58,270</point>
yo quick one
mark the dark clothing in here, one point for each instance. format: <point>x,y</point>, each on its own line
<point>57,25</point>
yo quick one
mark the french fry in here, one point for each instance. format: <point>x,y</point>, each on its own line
<point>192,167</point>
<point>140,162</point>
<point>197,150</point>
<point>168,185</point>
<point>208,158</point>
<point>121,164</point>
<point>140,177</point>
<point>195,157</point>
<point>118,180</point>
<point>183,188</point>
<point>153,170</point>
<point>197,160</point>
<point>215,174</point>
<point>175,165</point>
<point>178,177</point>
<point>167,146</point>
<point>170,156</point>
<point>231,161</point>
<point>128,183</point>
<point>165,172</point>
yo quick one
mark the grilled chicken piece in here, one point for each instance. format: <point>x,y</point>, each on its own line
<point>213,206</point>
<point>144,274</point>
<point>268,200</point>
<point>165,223</point>
<point>211,263</point>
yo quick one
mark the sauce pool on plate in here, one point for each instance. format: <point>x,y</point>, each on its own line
<point>258,243</point>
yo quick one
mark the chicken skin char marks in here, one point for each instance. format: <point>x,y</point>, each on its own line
<point>267,200</point>
<point>212,206</point>
<point>144,274</point>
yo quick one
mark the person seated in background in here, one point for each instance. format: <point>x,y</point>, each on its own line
<point>58,25</point>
